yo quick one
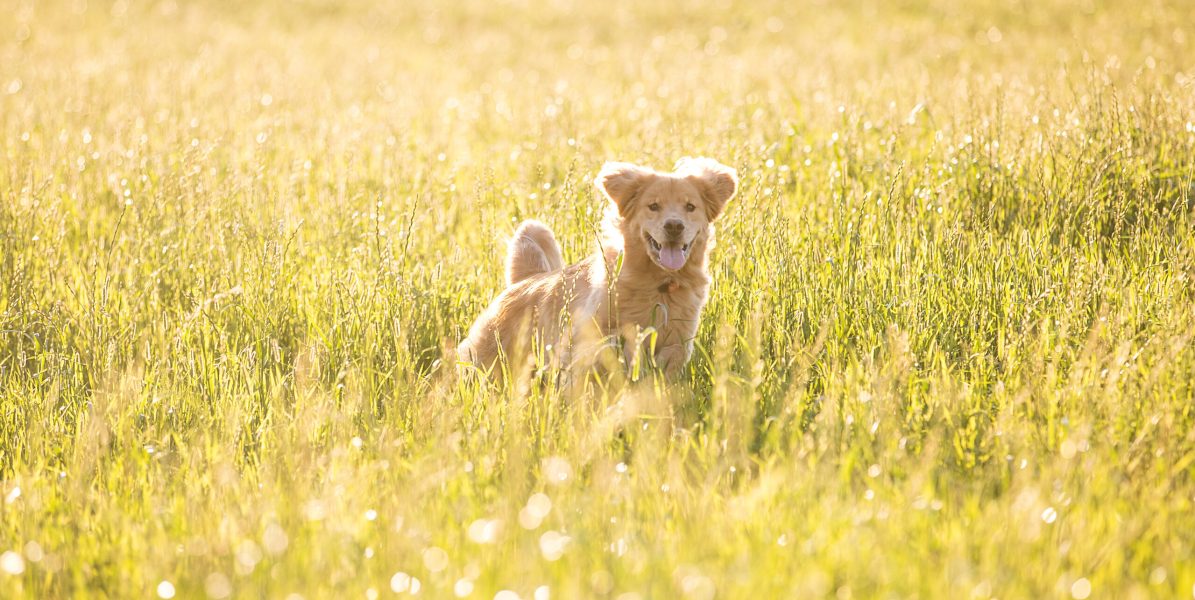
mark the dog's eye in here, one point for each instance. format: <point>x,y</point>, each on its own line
<point>690,207</point>
<point>653,206</point>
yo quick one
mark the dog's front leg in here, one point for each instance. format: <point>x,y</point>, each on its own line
<point>673,357</point>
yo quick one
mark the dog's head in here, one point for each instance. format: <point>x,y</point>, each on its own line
<point>670,212</point>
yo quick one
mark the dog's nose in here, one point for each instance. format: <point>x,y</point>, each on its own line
<point>674,227</point>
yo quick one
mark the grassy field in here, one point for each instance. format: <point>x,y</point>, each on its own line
<point>948,352</point>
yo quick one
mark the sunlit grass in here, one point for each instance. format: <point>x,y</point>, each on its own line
<point>948,351</point>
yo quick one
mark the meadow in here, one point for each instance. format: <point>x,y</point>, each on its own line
<point>947,354</point>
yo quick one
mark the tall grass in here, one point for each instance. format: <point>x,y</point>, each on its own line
<point>948,350</point>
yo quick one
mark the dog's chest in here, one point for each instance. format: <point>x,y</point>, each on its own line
<point>666,305</point>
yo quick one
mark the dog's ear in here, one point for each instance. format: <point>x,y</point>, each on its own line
<point>621,183</point>
<point>716,182</point>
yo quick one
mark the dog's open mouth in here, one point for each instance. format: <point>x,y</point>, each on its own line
<point>671,256</point>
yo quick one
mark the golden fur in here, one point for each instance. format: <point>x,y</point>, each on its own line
<point>649,270</point>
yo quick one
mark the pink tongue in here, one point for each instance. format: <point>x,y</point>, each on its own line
<point>671,257</point>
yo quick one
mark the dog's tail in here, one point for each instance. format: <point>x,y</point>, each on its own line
<point>533,250</point>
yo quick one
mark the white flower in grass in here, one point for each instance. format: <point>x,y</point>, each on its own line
<point>537,508</point>
<point>404,583</point>
<point>557,470</point>
<point>552,544</point>
<point>275,540</point>
<point>484,531</point>
<point>435,559</point>
<point>462,588</point>
<point>12,563</point>
<point>217,586</point>
<point>1081,589</point>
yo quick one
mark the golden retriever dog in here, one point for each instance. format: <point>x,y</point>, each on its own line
<point>647,274</point>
